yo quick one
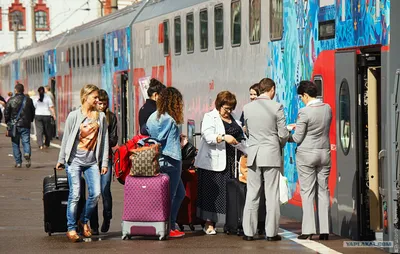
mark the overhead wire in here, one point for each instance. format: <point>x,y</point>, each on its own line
<point>62,22</point>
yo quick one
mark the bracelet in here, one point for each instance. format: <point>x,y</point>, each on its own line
<point>223,137</point>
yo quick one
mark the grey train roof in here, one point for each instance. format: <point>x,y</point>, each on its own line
<point>161,7</point>
<point>98,27</point>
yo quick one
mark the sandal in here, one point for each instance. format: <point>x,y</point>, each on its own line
<point>85,229</point>
<point>73,236</point>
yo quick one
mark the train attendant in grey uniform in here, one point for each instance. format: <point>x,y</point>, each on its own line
<point>313,158</point>
<point>267,132</point>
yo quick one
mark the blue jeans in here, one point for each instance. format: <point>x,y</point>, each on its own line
<point>173,169</point>
<point>92,177</point>
<point>24,135</point>
<point>107,198</point>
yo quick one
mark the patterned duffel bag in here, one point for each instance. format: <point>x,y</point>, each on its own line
<point>145,158</point>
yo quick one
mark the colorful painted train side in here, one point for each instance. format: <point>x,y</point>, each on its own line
<point>347,47</point>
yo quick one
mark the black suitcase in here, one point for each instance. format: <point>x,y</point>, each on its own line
<point>55,199</point>
<point>235,201</point>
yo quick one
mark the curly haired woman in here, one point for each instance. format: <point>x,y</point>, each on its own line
<point>163,126</point>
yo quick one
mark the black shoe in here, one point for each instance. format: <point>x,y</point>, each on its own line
<point>304,237</point>
<point>324,237</point>
<point>248,238</point>
<point>105,226</point>
<point>95,231</point>
<point>28,160</point>
<point>274,238</point>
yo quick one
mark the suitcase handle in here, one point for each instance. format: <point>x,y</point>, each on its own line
<point>55,175</point>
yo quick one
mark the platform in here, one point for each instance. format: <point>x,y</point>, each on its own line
<point>22,231</point>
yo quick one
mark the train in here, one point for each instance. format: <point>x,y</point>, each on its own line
<point>347,47</point>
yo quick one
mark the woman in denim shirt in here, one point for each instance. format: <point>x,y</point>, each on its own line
<point>163,126</point>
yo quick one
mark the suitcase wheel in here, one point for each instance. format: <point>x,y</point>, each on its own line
<point>48,228</point>
<point>181,227</point>
<point>191,227</point>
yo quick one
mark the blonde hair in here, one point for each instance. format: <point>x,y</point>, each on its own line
<point>86,91</point>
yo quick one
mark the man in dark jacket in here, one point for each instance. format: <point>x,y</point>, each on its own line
<point>150,106</point>
<point>23,124</point>
<point>3,105</point>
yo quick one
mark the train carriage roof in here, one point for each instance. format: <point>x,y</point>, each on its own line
<point>96,28</point>
<point>115,21</point>
<point>157,8</point>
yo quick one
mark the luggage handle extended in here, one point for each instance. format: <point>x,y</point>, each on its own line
<point>55,175</point>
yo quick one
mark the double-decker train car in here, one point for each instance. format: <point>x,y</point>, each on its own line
<point>205,46</point>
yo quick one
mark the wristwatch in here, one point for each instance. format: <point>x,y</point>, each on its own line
<point>223,137</point>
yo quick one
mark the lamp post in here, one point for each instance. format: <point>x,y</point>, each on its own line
<point>33,21</point>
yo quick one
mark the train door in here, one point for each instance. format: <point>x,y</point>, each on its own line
<point>357,145</point>
<point>120,103</point>
<point>346,101</point>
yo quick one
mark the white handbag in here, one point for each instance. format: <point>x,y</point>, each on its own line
<point>283,189</point>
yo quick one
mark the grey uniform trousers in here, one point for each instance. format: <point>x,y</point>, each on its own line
<point>313,168</point>
<point>255,177</point>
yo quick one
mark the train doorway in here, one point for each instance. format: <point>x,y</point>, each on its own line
<point>358,133</point>
<point>120,103</point>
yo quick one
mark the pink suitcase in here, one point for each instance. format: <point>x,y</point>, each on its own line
<point>146,207</point>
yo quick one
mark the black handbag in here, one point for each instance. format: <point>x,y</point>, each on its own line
<point>188,155</point>
<point>12,125</point>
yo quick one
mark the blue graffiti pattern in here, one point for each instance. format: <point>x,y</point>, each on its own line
<point>292,58</point>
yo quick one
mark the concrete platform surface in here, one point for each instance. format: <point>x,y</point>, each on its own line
<point>22,230</point>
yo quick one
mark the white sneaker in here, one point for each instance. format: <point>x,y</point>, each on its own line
<point>209,231</point>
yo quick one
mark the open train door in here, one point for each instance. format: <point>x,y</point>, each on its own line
<point>347,223</point>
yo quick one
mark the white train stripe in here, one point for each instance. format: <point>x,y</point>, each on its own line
<point>313,245</point>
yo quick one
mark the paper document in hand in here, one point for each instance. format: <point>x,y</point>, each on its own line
<point>291,126</point>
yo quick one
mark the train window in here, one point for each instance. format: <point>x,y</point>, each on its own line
<point>83,55</point>
<point>326,30</point>
<point>73,57</point>
<point>344,116</point>
<point>319,82</point>
<point>166,37</point>
<point>87,54</point>
<point>147,41</point>
<point>236,23</point>
<point>276,19</point>
<point>255,21</point>
<point>77,56</point>
<point>92,51</point>
<point>178,35</point>
<point>103,50</point>
<point>219,26</point>
<point>69,57</point>
<point>203,30</point>
<point>189,33</point>
<point>98,51</point>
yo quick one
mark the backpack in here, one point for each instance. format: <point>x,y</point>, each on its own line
<point>122,163</point>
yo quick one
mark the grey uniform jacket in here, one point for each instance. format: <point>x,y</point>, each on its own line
<point>73,122</point>
<point>312,127</point>
<point>266,127</point>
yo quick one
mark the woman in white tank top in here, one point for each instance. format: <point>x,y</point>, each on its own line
<point>44,111</point>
